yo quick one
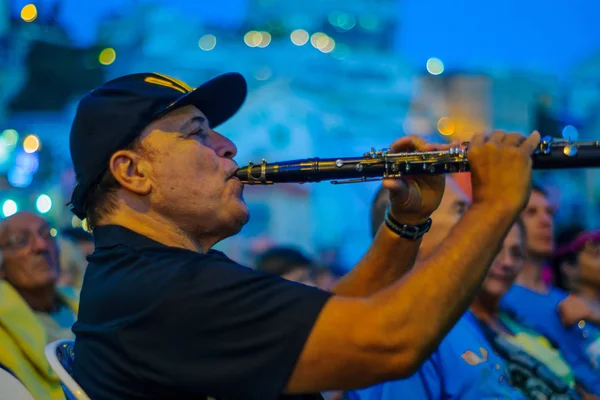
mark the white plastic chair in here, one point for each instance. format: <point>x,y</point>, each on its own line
<point>60,354</point>
<point>12,388</point>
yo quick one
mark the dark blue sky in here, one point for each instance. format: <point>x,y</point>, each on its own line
<point>548,35</point>
<point>545,34</point>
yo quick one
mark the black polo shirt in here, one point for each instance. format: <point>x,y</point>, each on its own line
<point>159,322</point>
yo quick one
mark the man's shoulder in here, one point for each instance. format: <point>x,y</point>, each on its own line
<point>155,260</point>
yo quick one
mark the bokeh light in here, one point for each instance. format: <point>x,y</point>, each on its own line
<point>263,73</point>
<point>446,126</point>
<point>3,150</point>
<point>346,21</point>
<point>27,162</point>
<point>207,42</point>
<point>43,203</point>
<point>75,222</point>
<point>19,178</point>
<point>320,40</point>
<point>569,132</point>
<point>253,38</point>
<point>9,207</point>
<point>328,48</point>
<point>435,66</point>
<point>299,37</point>
<point>31,144</point>
<point>53,232</point>
<point>107,56</point>
<point>265,39</point>
<point>368,22</point>
<point>10,137</point>
<point>29,13</point>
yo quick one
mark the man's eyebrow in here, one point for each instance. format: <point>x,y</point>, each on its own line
<point>195,119</point>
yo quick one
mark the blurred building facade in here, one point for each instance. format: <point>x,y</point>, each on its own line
<point>324,80</point>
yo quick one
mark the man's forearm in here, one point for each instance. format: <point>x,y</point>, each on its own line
<point>415,313</point>
<point>386,261</point>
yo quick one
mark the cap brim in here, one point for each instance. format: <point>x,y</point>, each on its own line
<point>219,99</point>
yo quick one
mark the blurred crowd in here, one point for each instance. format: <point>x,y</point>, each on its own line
<point>533,331</point>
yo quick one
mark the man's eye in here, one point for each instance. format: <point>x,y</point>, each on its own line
<point>200,132</point>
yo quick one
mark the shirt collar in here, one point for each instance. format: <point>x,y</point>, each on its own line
<point>114,235</point>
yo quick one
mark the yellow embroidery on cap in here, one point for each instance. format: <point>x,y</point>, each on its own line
<point>164,83</point>
<point>177,81</point>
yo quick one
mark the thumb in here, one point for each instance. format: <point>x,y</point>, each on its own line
<point>398,188</point>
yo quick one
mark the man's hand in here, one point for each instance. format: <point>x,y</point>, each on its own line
<point>413,198</point>
<point>501,170</point>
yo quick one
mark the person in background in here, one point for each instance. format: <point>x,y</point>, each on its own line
<point>476,360</point>
<point>326,277</point>
<point>72,263</point>
<point>565,278</point>
<point>75,245</point>
<point>576,263</point>
<point>538,217</point>
<point>82,238</point>
<point>568,320</point>
<point>293,265</point>
<point>34,311</point>
<point>288,263</point>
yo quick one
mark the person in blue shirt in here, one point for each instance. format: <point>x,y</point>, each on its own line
<point>487,354</point>
<point>568,320</point>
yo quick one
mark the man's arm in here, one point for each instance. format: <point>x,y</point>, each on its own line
<point>574,308</point>
<point>412,201</point>
<point>357,342</point>
<point>374,271</point>
<point>360,342</point>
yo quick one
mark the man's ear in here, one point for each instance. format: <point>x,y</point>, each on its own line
<point>130,171</point>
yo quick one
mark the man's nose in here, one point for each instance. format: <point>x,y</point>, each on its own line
<point>223,146</point>
<point>40,243</point>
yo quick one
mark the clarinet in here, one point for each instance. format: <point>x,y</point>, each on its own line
<point>377,165</point>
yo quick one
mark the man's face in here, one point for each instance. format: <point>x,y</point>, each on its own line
<point>30,252</point>
<point>539,224</point>
<point>588,261</point>
<point>507,265</point>
<point>191,171</point>
<point>453,206</point>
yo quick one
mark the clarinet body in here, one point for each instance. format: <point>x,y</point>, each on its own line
<point>381,164</point>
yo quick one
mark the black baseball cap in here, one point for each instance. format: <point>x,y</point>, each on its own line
<point>112,116</point>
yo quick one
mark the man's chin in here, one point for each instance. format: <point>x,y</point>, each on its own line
<point>241,218</point>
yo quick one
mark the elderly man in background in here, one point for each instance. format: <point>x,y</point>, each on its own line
<point>33,310</point>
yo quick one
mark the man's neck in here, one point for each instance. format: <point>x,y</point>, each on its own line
<point>531,274</point>
<point>158,229</point>
<point>44,299</point>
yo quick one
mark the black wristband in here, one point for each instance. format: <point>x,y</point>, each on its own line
<point>410,232</point>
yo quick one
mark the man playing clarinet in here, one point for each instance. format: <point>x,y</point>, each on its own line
<point>164,316</point>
